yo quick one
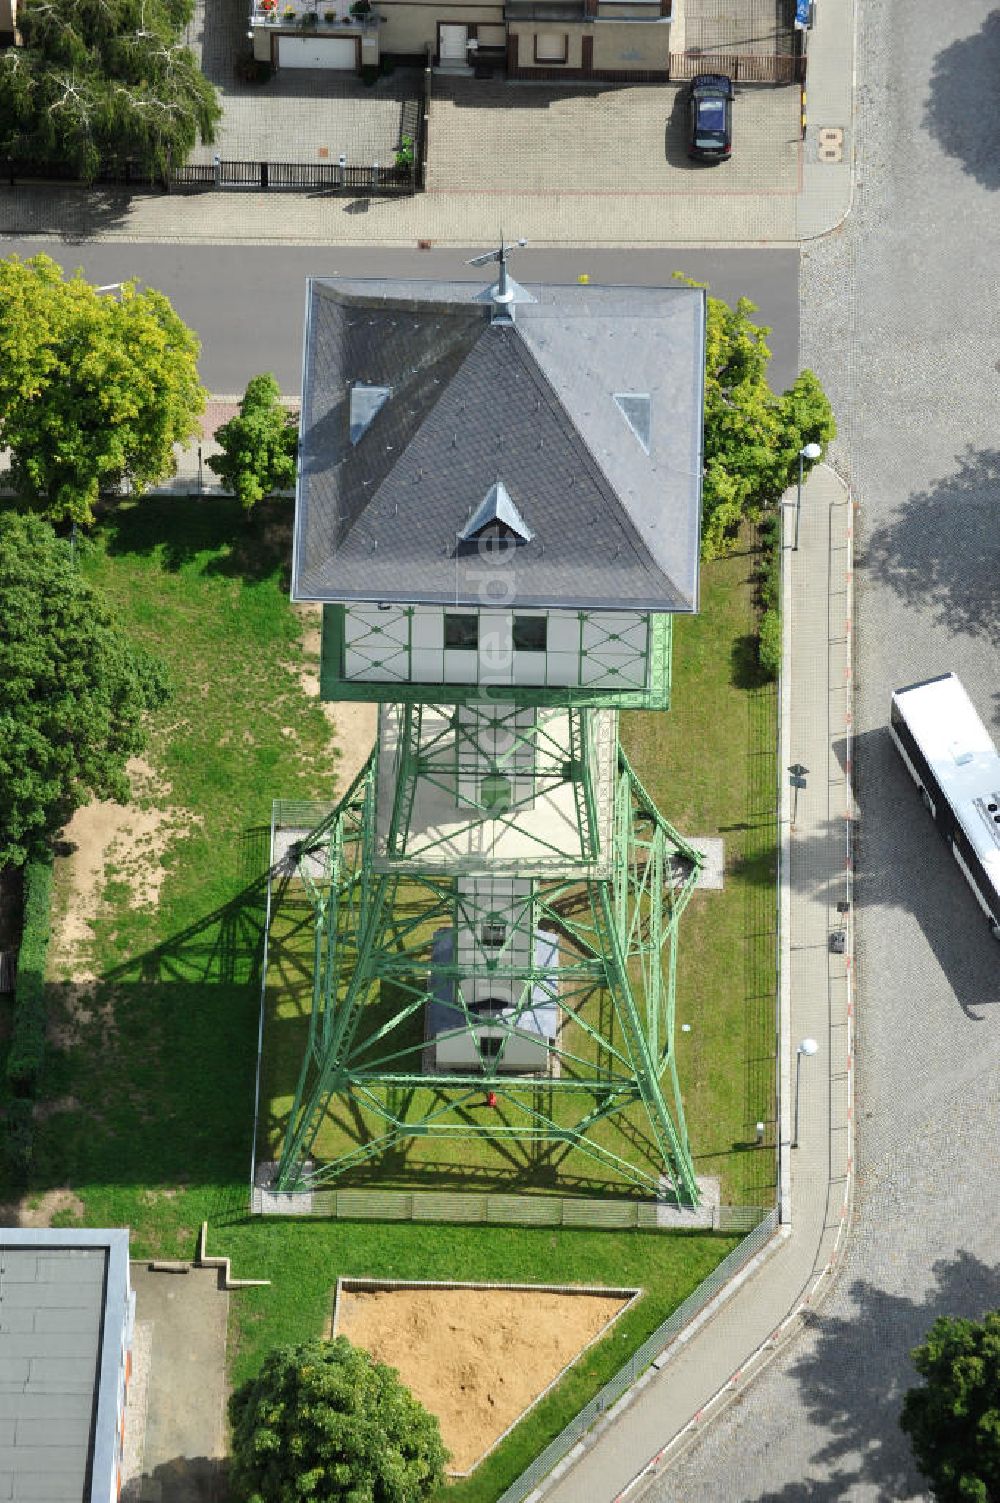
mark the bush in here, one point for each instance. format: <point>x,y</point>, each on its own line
<point>769,644</point>
<point>27,1049</point>
<point>953,1417</point>
<point>324,1420</point>
<point>258,446</point>
<point>769,580</point>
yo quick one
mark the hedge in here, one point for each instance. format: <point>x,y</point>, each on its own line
<point>769,643</point>
<point>27,1048</point>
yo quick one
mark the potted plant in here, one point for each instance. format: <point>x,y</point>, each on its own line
<point>360,9</point>
<point>330,17</point>
<point>289,13</point>
<point>309,20</point>
<point>404,152</point>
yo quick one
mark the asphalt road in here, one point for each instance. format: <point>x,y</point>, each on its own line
<point>900,320</point>
<point>248,302</point>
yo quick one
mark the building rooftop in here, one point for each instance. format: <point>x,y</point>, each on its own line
<point>563,439</point>
<point>59,1292</point>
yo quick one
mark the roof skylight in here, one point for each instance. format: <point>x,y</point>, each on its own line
<point>635,408</point>
<point>366,402</point>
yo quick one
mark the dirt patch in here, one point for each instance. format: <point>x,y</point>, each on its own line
<point>477,1358</point>
<point>354,723</point>
<point>127,841</point>
<point>38,1212</point>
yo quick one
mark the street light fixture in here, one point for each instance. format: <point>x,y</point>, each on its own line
<point>810,452</point>
<point>807,1046</point>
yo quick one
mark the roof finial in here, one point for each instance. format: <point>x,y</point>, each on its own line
<point>506,292</point>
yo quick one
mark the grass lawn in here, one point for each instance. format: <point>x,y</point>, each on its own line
<point>148,1104</point>
<point>709,763</point>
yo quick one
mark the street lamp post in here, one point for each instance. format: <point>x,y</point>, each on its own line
<point>808,451</point>
<point>807,1046</point>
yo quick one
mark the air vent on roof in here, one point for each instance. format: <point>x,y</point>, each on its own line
<point>496,516</point>
<point>634,407</point>
<point>366,402</point>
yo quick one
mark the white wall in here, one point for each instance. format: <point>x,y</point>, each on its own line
<point>598,649</point>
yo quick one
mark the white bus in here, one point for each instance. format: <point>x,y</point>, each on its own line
<point>952,760</point>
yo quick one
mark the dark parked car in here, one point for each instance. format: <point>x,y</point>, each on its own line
<point>710,118</point>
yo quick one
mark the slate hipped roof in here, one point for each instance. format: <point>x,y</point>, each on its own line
<point>584,413</point>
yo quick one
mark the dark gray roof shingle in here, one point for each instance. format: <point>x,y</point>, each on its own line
<point>614,522</point>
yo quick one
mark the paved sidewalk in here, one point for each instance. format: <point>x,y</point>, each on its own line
<point>637,1441</point>
<point>730,214</point>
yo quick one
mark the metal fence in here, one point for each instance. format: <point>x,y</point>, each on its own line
<point>637,1364</point>
<point>328,177</point>
<point>488,1209</point>
<point>740,67</point>
<point>331,177</point>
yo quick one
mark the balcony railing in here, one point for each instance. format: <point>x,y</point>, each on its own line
<point>311,15</point>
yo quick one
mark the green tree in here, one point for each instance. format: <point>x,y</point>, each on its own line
<point>324,1422</point>
<point>94,389</point>
<point>73,690</point>
<point>752,436</point>
<point>259,445</point>
<point>953,1417</point>
<point>102,80</point>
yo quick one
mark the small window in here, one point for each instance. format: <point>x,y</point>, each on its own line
<point>530,633</point>
<point>551,46</point>
<point>461,631</point>
<point>492,934</point>
<point>489,1047</point>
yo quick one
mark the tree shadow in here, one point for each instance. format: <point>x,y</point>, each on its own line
<point>745,669</point>
<point>183,1479</point>
<point>853,1375</point>
<point>963,78</point>
<point>181,529</point>
<point>70,212</point>
<point>941,546</point>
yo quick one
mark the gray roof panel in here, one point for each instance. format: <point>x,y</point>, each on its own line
<point>64,1306</point>
<point>615,522</point>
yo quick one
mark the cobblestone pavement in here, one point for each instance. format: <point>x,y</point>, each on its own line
<point>737,26</point>
<point>899,319</point>
<point>611,139</point>
<point>298,115</point>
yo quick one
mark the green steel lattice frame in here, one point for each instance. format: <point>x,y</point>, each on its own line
<point>373,931</point>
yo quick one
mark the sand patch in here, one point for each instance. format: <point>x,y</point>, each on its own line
<point>354,723</point>
<point>38,1211</point>
<point>127,841</point>
<point>477,1358</point>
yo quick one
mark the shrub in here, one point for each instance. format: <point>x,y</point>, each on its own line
<point>324,1420</point>
<point>769,643</point>
<point>953,1417</point>
<point>258,446</point>
<point>769,580</point>
<point>27,1049</point>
